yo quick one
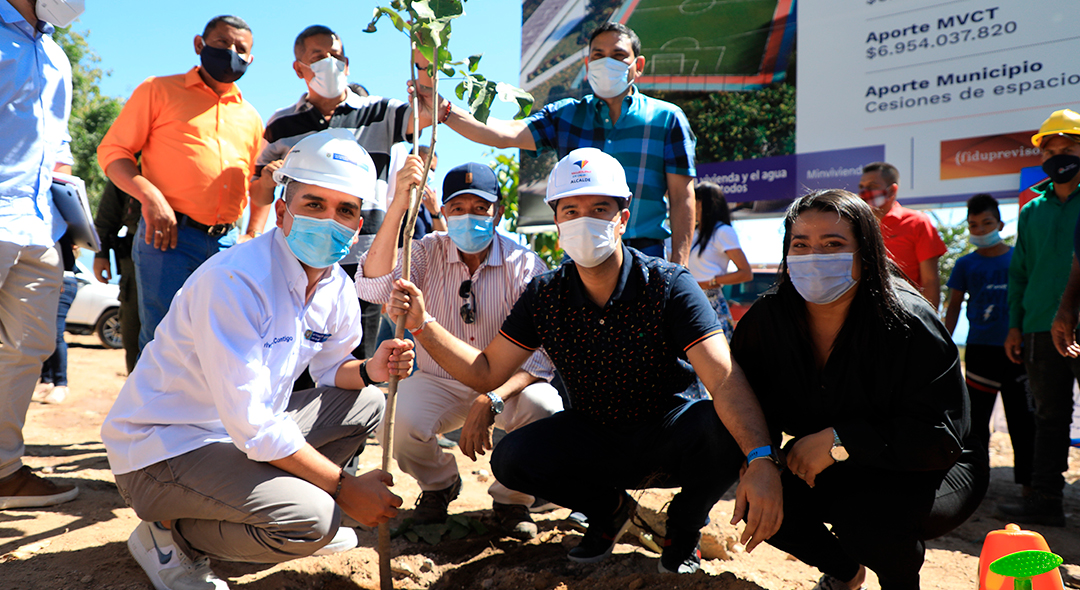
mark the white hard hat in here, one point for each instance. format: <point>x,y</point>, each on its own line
<point>587,171</point>
<point>59,13</point>
<point>331,159</point>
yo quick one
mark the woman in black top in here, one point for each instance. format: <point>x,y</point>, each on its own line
<point>848,359</point>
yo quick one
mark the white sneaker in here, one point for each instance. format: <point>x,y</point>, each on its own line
<point>344,540</point>
<point>167,567</point>
<point>41,390</point>
<point>56,396</point>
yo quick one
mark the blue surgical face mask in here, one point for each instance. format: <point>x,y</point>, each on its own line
<point>985,240</point>
<point>821,278</point>
<point>319,243</point>
<point>471,233</point>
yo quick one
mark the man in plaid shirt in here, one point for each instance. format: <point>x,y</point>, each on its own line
<point>651,138</point>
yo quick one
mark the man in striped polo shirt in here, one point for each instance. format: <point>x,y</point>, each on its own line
<point>378,123</point>
<point>472,276</point>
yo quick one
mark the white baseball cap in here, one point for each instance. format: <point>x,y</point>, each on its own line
<point>587,171</point>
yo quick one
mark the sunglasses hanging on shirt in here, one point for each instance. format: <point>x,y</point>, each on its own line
<point>468,309</point>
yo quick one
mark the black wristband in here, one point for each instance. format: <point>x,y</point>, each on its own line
<point>364,375</point>
<point>367,378</point>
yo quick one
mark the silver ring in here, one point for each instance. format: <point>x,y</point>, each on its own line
<point>159,232</point>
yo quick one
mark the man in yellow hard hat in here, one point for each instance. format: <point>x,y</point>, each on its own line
<point>1038,274</point>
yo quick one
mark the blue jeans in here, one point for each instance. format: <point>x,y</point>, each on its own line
<point>576,462</point>
<point>54,369</point>
<point>160,273</point>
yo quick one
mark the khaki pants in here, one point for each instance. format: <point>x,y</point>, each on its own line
<point>229,507</point>
<point>429,405</point>
<point>30,279</point>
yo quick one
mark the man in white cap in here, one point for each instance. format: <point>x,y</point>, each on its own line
<point>207,443</point>
<point>619,326</point>
<point>472,276</point>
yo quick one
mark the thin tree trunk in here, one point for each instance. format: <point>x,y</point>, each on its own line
<point>386,579</point>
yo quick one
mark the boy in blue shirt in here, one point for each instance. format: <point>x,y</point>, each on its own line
<point>983,276</point>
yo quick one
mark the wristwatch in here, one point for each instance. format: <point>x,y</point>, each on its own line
<point>837,452</point>
<point>496,403</point>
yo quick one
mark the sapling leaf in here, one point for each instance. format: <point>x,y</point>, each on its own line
<point>474,62</point>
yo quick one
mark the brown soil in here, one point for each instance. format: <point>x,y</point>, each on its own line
<point>82,544</point>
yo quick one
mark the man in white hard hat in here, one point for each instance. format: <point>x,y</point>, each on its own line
<point>472,276</point>
<point>207,443</point>
<point>35,102</point>
<point>1038,277</point>
<point>619,326</point>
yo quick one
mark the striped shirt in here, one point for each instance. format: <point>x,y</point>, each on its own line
<point>378,123</point>
<point>623,364</point>
<point>650,139</point>
<point>438,271</point>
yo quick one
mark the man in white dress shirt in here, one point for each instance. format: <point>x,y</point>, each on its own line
<point>207,442</point>
<point>472,276</point>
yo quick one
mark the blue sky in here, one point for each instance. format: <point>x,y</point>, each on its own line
<point>136,40</point>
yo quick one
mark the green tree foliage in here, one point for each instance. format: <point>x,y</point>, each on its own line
<point>740,125</point>
<point>507,172</point>
<point>428,25</point>
<point>91,112</point>
<point>956,244</point>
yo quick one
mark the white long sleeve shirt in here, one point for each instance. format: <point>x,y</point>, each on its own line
<point>222,363</point>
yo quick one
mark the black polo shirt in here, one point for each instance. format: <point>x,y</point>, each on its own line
<point>624,363</point>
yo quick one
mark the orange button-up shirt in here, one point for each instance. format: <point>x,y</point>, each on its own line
<point>198,148</point>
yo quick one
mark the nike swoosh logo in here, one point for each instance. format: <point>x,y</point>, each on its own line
<point>163,558</point>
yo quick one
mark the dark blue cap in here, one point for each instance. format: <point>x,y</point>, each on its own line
<point>471,178</point>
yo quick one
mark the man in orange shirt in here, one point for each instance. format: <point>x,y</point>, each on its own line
<point>199,140</point>
<point>911,238</point>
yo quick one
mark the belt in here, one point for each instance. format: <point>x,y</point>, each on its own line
<point>213,230</point>
<point>641,243</point>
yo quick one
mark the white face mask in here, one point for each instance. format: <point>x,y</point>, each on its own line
<point>588,241</point>
<point>330,80</point>
<point>822,278</point>
<point>608,77</point>
<point>59,13</point>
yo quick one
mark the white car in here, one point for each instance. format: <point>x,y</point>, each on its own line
<point>96,308</point>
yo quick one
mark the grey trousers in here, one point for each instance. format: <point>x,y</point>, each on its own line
<point>231,508</point>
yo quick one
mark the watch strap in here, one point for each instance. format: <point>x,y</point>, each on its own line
<point>365,377</point>
<point>764,452</point>
<point>496,403</point>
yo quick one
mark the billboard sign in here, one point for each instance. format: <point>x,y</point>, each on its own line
<point>952,90</point>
